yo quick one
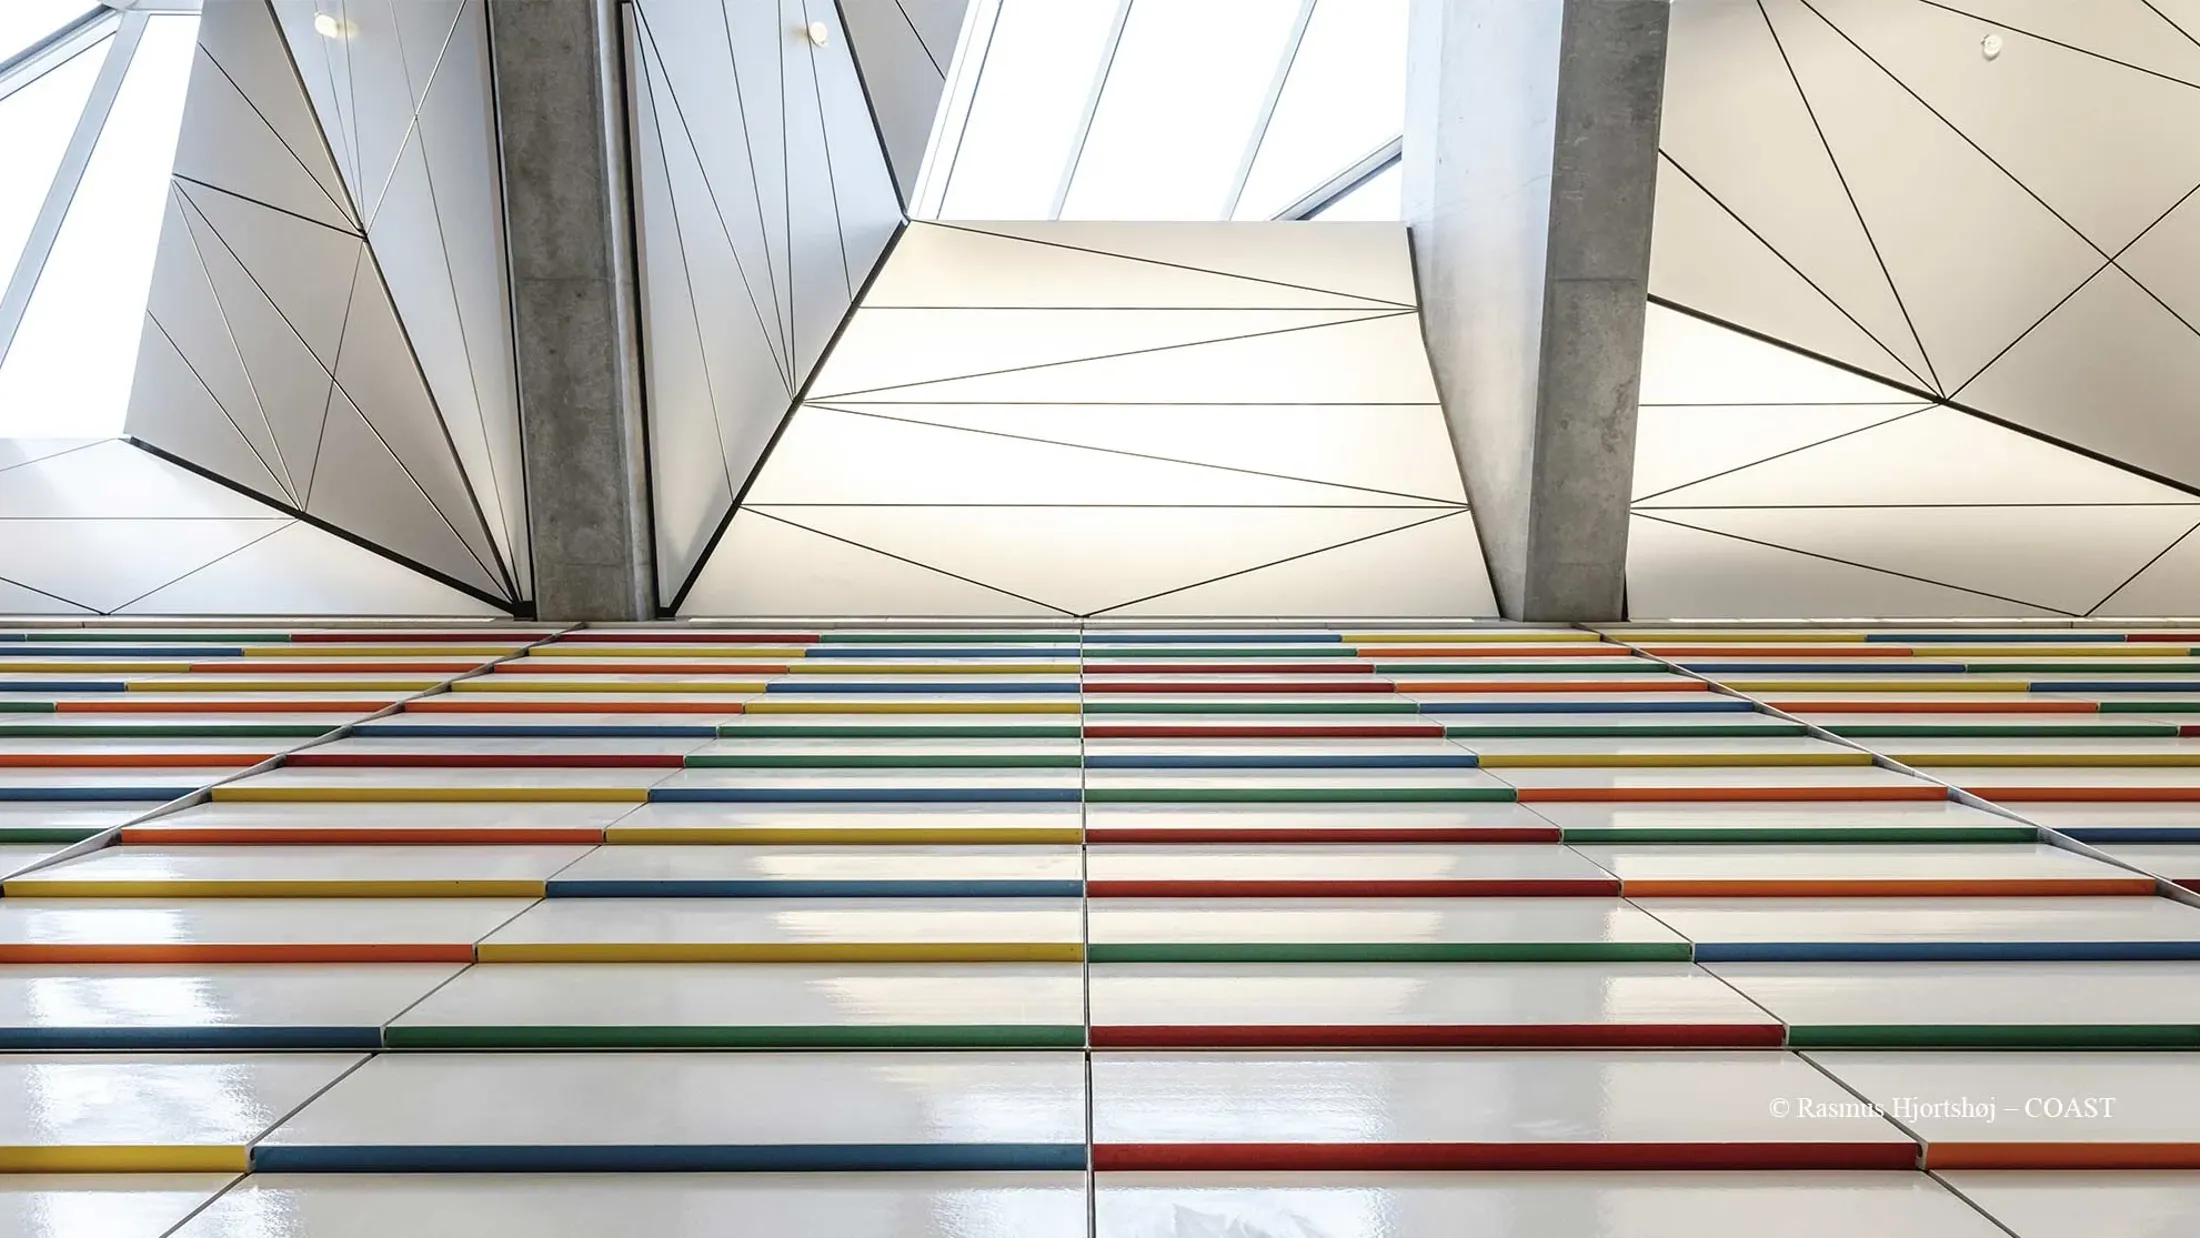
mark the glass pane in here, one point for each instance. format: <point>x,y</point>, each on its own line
<point>1376,198</point>
<point>35,124</point>
<point>1176,118</point>
<point>26,22</point>
<point>1345,98</point>
<point>1038,72</point>
<point>68,372</point>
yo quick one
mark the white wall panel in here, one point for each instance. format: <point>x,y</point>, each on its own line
<point>767,567</point>
<point>301,570</point>
<point>110,479</point>
<point>1676,444</point>
<point>1431,569</point>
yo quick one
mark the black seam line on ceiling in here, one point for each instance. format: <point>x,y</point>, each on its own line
<point>2083,51</point>
<point>321,125</point>
<point>915,33</point>
<point>1799,272</point>
<point>133,519</point>
<point>846,541</point>
<point>437,575</point>
<point>1370,302</point>
<point>1173,507</point>
<point>977,82</point>
<point>870,109</point>
<point>1127,309</point>
<point>1929,397</point>
<point>1138,455</point>
<point>280,525</point>
<point>763,458</point>
<point>809,53</point>
<point>465,340</point>
<point>245,197</point>
<point>2171,22</point>
<point>50,456</point>
<point>215,400</point>
<point>351,116</point>
<point>1777,404</point>
<point>328,402</point>
<point>1154,403</point>
<point>192,204</point>
<point>686,272</point>
<point>269,125</point>
<point>44,593</point>
<point>1364,316</point>
<point>2114,261</point>
<point>497,567</point>
<point>780,348</point>
<point>1812,554</point>
<point>1275,563</point>
<point>185,210</point>
<point>1932,372</point>
<point>2110,596</point>
<point>1888,421</point>
<point>415,100</point>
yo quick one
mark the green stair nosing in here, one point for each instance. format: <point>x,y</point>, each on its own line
<point>28,707</point>
<point>697,1036</point>
<point>1390,952</point>
<point>2091,666</point>
<point>1410,669</point>
<point>1252,707</point>
<point>1301,795</point>
<point>167,730</point>
<point>12,834</point>
<point>2148,707</point>
<point>952,760</point>
<point>1802,834</point>
<point>79,636</point>
<point>1995,1036</point>
<point>1685,730</point>
<point>945,638</point>
<point>1896,730</point>
<point>863,731</point>
<point>1125,653</point>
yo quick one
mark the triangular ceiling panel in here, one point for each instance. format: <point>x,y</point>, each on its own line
<point>2168,586</point>
<point>224,141</point>
<point>15,452</point>
<point>765,566</point>
<point>301,570</point>
<point>833,157</point>
<point>182,308</point>
<point>2110,167</point>
<point>1676,572</point>
<point>383,382</point>
<point>1400,449</point>
<point>884,349</point>
<point>112,479</point>
<point>324,65</point>
<point>1686,360</point>
<point>1735,121</point>
<point>104,564</point>
<point>905,79</point>
<point>2111,371</point>
<point>2136,32</point>
<point>951,264</point>
<point>1366,360</point>
<point>1359,260</point>
<point>1939,456</point>
<point>939,24</point>
<point>1679,444</point>
<point>16,599</point>
<point>363,487</point>
<point>243,39</point>
<point>830,456</point>
<point>2166,261</point>
<point>304,268</point>
<point>1084,559</point>
<point>1702,257</point>
<point>2058,558</point>
<point>1388,574</point>
<point>1974,257</point>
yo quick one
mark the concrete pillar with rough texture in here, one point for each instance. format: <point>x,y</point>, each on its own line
<point>1530,168</point>
<point>561,119</point>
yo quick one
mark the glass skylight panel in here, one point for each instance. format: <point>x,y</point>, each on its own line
<point>1345,98</point>
<point>68,371</point>
<point>1183,95</point>
<point>36,122</point>
<point>1037,75</point>
<point>1376,198</point>
<point>25,23</point>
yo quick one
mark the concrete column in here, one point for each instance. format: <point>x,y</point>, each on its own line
<point>1530,168</point>
<point>561,119</point>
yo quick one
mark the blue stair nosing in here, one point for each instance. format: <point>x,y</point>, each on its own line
<point>562,731</point>
<point>1944,951</point>
<point>43,650</point>
<point>2132,833</point>
<point>2110,685</point>
<point>103,1039</point>
<point>976,888</point>
<point>1716,705</point>
<point>1464,760</point>
<point>922,653</point>
<point>1829,666</point>
<point>864,795</point>
<point>32,795</point>
<point>1067,687</point>
<point>1217,638</point>
<point>64,685</point>
<point>667,1158</point>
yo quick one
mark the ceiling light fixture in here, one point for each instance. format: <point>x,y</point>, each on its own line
<point>816,33</point>
<point>1990,46</point>
<point>330,26</point>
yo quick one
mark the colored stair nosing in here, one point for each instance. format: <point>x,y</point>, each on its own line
<point>154,833</point>
<point>226,952</point>
<point>1319,834</point>
<point>522,731</point>
<point>1986,887</point>
<point>782,952</point>
<point>789,888</point>
<point>1805,834</point>
<point>124,1159</point>
<point>2042,1155</point>
<point>34,834</point>
<point>862,795</point>
<point>60,795</point>
<point>2133,834</point>
<point>1440,1036</point>
<point>225,1037</point>
<point>866,760</point>
<point>1392,952</point>
<point>279,794</point>
<point>1526,1155</point>
<point>1418,730</point>
<point>1716,794</point>
<point>826,1036</point>
<point>1922,731</point>
<point>1427,888</point>
<point>667,1158</point>
<point>1995,1036</point>
<point>1945,951</point>
<point>1299,795</point>
<point>1459,760</point>
<point>483,760</point>
<point>889,731</point>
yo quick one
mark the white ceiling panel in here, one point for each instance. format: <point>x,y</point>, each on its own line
<point>301,570</point>
<point>114,480</point>
<point>1414,571</point>
<point>103,564</point>
<point>1679,444</point>
<point>1369,260</point>
<point>1686,360</point>
<point>764,566</point>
